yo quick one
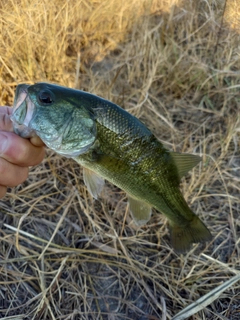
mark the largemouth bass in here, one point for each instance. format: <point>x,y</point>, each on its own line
<point>112,144</point>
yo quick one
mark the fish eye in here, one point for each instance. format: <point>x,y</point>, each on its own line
<point>45,97</point>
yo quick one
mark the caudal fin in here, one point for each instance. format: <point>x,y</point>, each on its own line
<point>182,237</point>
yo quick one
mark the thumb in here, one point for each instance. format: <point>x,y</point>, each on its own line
<point>5,122</point>
<point>6,125</point>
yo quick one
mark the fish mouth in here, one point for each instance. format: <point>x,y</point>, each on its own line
<point>23,110</point>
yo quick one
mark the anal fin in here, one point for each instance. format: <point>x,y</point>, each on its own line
<point>141,211</point>
<point>93,181</point>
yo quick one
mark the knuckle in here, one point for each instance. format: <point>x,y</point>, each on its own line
<point>5,122</point>
<point>2,167</point>
<point>36,156</point>
<point>23,152</point>
<point>23,175</point>
<point>3,191</point>
<point>11,175</point>
<point>40,156</point>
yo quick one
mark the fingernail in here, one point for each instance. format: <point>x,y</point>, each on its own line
<point>3,143</point>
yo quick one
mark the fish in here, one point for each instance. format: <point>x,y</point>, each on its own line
<point>111,144</point>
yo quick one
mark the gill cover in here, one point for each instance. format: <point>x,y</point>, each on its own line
<point>63,124</point>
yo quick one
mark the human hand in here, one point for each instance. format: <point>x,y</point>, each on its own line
<point>16,153</point>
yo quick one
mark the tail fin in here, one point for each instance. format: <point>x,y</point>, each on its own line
<point>183,236</point>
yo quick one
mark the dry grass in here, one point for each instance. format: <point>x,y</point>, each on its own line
<point>174,64</point>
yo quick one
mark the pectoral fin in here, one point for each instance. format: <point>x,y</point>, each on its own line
<point>93,182</point>
<point>141,212</point>
<point>184,162</point>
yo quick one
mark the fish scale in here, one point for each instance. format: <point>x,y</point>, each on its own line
<point>159,192</point>
<point>112,144</point>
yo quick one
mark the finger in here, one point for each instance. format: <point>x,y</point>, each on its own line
<point>5,122</point>
<point>19,151</point>
<point>12,175</point>
<point>36,141</point>
<point>3,191</point>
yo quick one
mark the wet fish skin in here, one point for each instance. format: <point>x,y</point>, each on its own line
<point>111,143</point>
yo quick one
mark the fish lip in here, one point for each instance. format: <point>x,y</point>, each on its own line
<point>22,128</point>
<point>21,94</point>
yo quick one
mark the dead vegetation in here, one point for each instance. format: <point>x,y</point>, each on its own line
<point>174,64</point>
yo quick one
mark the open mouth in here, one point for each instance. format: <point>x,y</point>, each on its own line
<point>22,114</point>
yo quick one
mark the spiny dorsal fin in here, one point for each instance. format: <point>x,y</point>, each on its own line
<point>93,182</point>
<point>141,211</point>
<point>184,162</point>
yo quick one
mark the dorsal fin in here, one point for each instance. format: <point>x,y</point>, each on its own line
<point>184,162</point>
<point>93,182</point>
<point>141,211</point>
